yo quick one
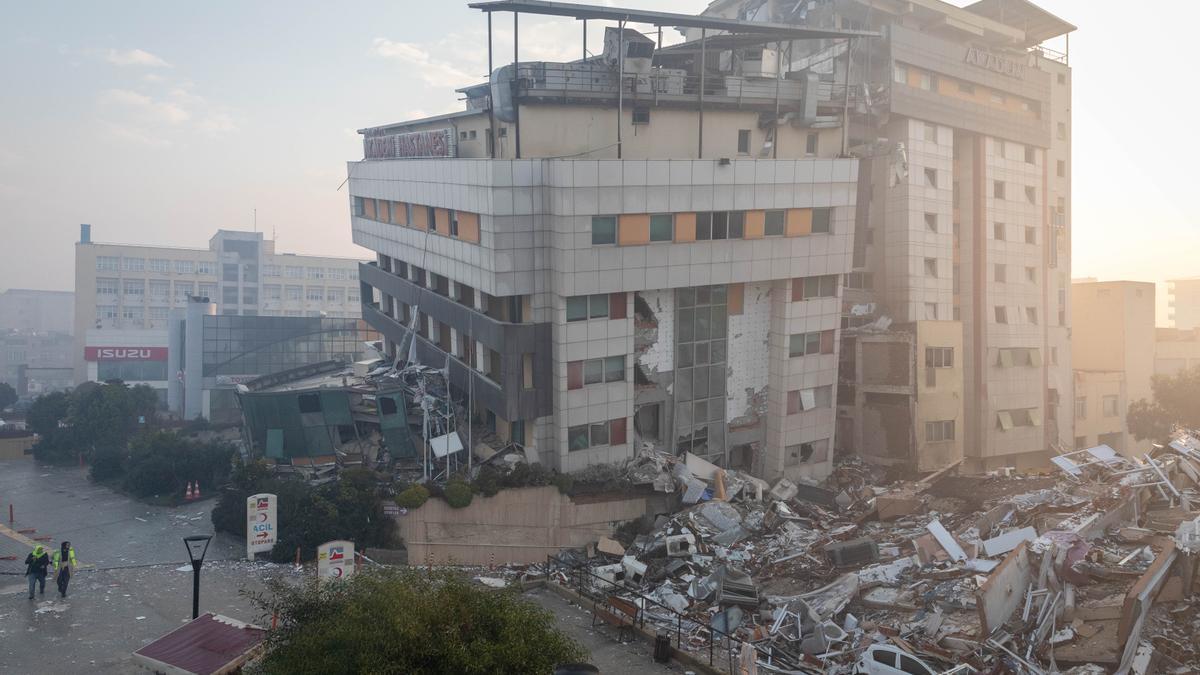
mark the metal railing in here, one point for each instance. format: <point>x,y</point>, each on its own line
<point>578,574</point>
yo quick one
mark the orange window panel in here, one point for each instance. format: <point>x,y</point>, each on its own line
<point>799,222</point>
<point>468,226</point>
<point>633,229</point>
<point>755,224</point>
<point>400,213</point>
<point>442,218</point>
<point>420,217</point>
<point>685,227</point>
<point>369,208</point>
<point>735,301</point>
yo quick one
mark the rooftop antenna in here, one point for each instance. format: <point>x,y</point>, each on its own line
<point>256,220</point>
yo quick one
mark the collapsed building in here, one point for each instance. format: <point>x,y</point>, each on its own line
<point>1087,570</point>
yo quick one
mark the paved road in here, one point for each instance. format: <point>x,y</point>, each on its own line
<point>135,585</point>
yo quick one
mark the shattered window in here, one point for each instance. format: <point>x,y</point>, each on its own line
<point>774,223</point>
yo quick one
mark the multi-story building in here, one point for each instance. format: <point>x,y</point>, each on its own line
<point>36,363</point>
<point>35,311</point>
<point>1113,355</point>
<point>1183,303</point>
<point>124,295</point>
<point>962,251</point>
<point>1176,350</point>
<point>640,249</point>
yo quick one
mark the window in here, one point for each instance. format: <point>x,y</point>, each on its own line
<point>1030,234</point>
<point>1000,273</point>
<point>1060,168</point>
<point>272,293</point>
<point>939,357</point>
<point>584,307</point>
<point>205,267</point>
<point>998,231</point>
<point>333,295</point>
<point>595,371</point>
<point>352,295</point>
<point>159,313</point>
<point>1020,417</point>
<point>802,400</point>
<point>1031,194</point>
<point>293,272</point>
<point>249,295</point>
<point>270,270</point>
<point>314,272</point>
<point>133,264</point>
<point>1061,131</point>
<point>810,143</point>
<point>295,293</point>
<point>1054,356</point>
<point>1031,314</point>
<point>927,81</point>
<point>900,73</point>
<point>998,189</point>
<point>359,208</point>
<point>1001,314</point>
<point>1031,275</point>
<point>930,132</point>
<point>1081,407</point>
<point>453,222</point>
<point>160,291</point>
<point>821,221</point>
<point>336,273</point>
<point>801,453</point>
<point>1109,406</point>
<point>604,230</point>
<point>804,344</point>
<point>743,146</point>
<point>229,272</point>
<point>931,178</point>
<point>814,287</point>
<point>229,295</point>
<point>1030,155</point>
<point>107,263</point>
<point>931,222</point>
<point>774,224</point>
<point>314,294</point>
<point>160,265</point>
<point>931,267</point>
<point>996,97</point>
<point>641,115</point>
<point>885,657</point>
<point>135,287</point>
<point>966,88</point>
<point>134,314</point>
<point>662,227</point>
<point>936,432</point>
<point>106,312</point>
<point>587,436</point>
<point>184,267</point>
<point>931,313</point>
<point>183,289</point>
<point>107,286</point>
<point>208,290</point>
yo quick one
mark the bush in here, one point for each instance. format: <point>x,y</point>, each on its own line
<point>413,497</point>
<point>355,627</point>
<point>487,483</point>
<point>564,482</point>
<point>107,464</point>
<point>458,494</point>
<point>163,463</point>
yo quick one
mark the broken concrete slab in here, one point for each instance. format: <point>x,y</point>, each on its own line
<point>946,540</point>
<point>1008,541</point>
<point>610,546</point>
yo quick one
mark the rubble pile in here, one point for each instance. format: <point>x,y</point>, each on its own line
<point>1088,568</point>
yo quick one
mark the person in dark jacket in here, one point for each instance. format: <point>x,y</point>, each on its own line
<point>64,566</point>
<point>37,563</point>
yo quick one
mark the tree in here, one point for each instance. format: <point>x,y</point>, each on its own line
<point>409,621</point>
<point>93,418</point>
<point>8,395</point>
<point>1176,402</point>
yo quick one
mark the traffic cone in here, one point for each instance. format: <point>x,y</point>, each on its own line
<point>196,494</point>
<point>189,495</point>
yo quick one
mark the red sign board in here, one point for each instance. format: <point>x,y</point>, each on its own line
<point>429,143</point>
<point>125,353</point>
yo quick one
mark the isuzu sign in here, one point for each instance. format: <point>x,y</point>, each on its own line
<point>125,353</point>
<point>261,521</point>
<point>335,560</point>
<point>378,144</point>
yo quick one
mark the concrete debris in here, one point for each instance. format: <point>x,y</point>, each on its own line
<point>1078,572</point>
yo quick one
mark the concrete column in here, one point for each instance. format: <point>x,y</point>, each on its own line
<point>193,355</point>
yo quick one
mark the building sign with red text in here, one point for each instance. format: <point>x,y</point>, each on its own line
<point>125,353</point>
<point>379,144</point>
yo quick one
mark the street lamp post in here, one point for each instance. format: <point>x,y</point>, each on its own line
<point>197,546</point>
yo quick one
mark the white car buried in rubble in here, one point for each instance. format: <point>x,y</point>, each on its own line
<point>889,660</point>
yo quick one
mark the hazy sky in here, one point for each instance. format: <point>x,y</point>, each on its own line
<point>161,122</point>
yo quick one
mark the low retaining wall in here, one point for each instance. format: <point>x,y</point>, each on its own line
<point>518,526</point>
<point>16,447</point>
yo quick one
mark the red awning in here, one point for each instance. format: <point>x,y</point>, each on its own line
<point>208,645</point>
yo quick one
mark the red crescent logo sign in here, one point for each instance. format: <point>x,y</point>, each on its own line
<point>262,517</point>
<point>337,572</point>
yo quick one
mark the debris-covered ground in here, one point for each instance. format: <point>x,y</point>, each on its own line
<point>1090,568</point>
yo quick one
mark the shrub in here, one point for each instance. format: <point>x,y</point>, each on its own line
<point>107,464</point>
<point>458,494</point>
<point>413,497</point>
<point>564,482</point>
<point>487,483</point>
